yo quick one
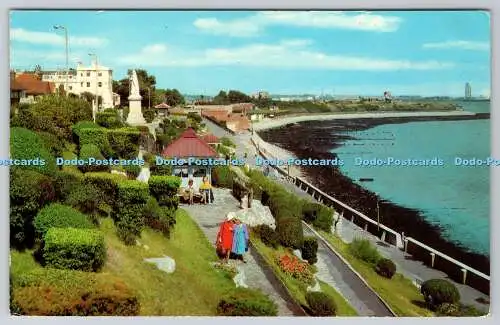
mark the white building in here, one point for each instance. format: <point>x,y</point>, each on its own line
<point>94,79</point>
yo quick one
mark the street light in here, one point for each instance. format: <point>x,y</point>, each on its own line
<point>149,97</point>
<point>57,27</point>
<point>378,211</point>
<point>94,110</point>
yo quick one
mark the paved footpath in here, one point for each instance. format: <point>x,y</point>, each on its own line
<point>209,218</point>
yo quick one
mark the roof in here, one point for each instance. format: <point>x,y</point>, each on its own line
<point>210,138</point>
<point>33,85</point>
<point>162,105</point>
<point>189,145</point>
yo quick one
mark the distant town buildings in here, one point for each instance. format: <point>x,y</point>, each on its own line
<point>25,88</point>
<point>96,79</point>
<point>261,95</point>
<point>468,91</point>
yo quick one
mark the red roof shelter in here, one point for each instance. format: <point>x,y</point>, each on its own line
<point>189,145</point>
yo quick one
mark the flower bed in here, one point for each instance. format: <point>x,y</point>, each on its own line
<point>294,267</point>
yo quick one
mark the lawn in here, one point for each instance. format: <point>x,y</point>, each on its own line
<point>193,289</point>
<point>296,288</point>
<point>399,292</point>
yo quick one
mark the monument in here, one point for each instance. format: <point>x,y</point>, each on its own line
<point>135,116</point>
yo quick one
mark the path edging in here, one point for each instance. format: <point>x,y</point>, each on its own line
<point>350,267</point>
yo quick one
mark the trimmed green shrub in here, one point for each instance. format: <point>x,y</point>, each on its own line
<point>439,291</point>
<point>64,182</point>
<point>132,197</point>
<point>159,170</point>
<point>267,235</point>
<point>54,144</point>
<point>60,216</point>
<point>150,159</point>
<point>458,310</point>
<point>29,192</point>
<point>159,218</point>
<point>106,183</point>
<point>246,302</point>
<point>222,176</point>
<point>321,304</point>
<point>97,137</point>
<point>88,151</point>
<point>386,268</point>
<point>132,171</point>
<point>290,232</point>
<point>164,190</point>
<point>109,119</point>
<point>74,249</point>
<point>318,215</point>
<point>225,141</point>
<point>124,142</point>
<point>309,250</point>
<point>87,199</point>
<point>149,115</point>
<point>27,145</point>
<point>57,292</point>
<point>364,250</point>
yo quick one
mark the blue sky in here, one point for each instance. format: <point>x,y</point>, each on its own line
<point>284,52</point>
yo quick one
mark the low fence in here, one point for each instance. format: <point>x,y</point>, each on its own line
<point>456,270</point>
<point>218,123</point>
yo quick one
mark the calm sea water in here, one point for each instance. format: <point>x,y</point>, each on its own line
<point>455,198</point>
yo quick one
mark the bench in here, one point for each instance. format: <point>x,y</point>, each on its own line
<point>184,196</point>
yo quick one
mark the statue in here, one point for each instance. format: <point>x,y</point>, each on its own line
<point>135,116</point>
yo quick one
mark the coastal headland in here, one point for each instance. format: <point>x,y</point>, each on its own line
<point>309,139</point>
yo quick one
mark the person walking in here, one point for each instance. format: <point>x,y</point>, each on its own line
<point>240,239</point>
<point>224,242</point>
<point>206,191</point>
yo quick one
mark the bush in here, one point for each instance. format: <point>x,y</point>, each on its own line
<point>222,176</point>
<point>59,216</point>
<point>52,143</point>
<point>246,302</point>
<point>290,232</point>
<point>27,145</point>
<point>74,249</point>
<point>150,159</point>
<point>55,292</point>
<point>292,266</point>
<point>132,197</point>
<point>124,142</point>
<point>386,268</point>
<point>309,250</point>
<point>321,304</point>
<point>159,218</point>
<point>458,310</point>
<point>109,119</point>
<point>88,151</point>
<point>364,250</point>
<point>164,189</point>
<point>65,182</point>
<point>29,192</point>
<point>98,137</point>
<point>267,235</point>
<point>105,183</point>
<point>318,215</point>
<point>160,170</point>
<point>225,141</point>
<point>149,115</point>
<point>132,171</point>
<point>439,291</point>
<point>87,199</point>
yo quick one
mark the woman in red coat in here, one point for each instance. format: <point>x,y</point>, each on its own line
<point>225,237</point>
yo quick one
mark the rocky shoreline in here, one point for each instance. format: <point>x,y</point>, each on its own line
<point>315,139</point>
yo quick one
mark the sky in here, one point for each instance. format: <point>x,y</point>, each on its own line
<point>426,53</point>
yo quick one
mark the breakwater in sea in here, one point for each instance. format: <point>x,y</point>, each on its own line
<point>318,138</point>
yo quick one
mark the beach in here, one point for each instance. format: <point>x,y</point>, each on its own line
<point>308,139</point>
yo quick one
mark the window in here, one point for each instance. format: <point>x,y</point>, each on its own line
<point>88,84</point>
<point>88,73</point>
<point>81,74</point>
<point>70,87</point>
<point>198,172</point>
<point>100,74</point>
<point>181,172</point>
<point>99,84</point>
<point>81,84</point>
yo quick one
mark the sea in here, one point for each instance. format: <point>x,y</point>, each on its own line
<point>456,198</point>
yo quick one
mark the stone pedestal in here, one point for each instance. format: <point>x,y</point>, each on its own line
<point>135,116</point>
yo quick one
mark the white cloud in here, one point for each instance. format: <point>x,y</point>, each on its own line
<point>53,38</point>
<point>154,49</point>
<point>288,54</point>
<point>253,25</point>
<point>464,45</point>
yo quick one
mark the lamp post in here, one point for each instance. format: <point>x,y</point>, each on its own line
<point>149,97</point>
<point>57,27</point>
<point>94,109</point>
<point>378,212</point>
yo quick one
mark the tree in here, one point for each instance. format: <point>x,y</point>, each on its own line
<point>221,98</point>
<point>236,96</point>
<point>173,97</point>
<point>158,97</point>
<point>122,87</point>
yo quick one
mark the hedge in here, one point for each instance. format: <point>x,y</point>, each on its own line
<point>267,235</point>
<point>386,268</point>
<point>76,128</point>
<point>132,197</point>
<point>87,199</point>
<point>222,176</point>
<point>56,292</point>
<point>159,218</point>
<point>318,215</point>
<point>364,250</point>
<point>98,137</point>
<point>124,142</point>
<point>164,189</point>
<point>290,232</point>
<point>105,183</point>
<point>309,250</point>
<point>88,151</point>
<point>74,249</point>
<point>439,291</point>
<point>246,302</point>
<point>159,170</point>
<point>64,182</point>
<point>132,171</point>
<point>52,143</point>
<point>29,192</point>
<point>109,119</point>
<point>25,145</point>
<point>320,304</point>
<point>59,216</point>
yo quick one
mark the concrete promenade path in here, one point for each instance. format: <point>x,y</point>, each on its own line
<point>256,276</point>
<point>347,231</point>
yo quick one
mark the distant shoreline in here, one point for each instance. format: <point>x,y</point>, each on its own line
<point>280,121</point>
